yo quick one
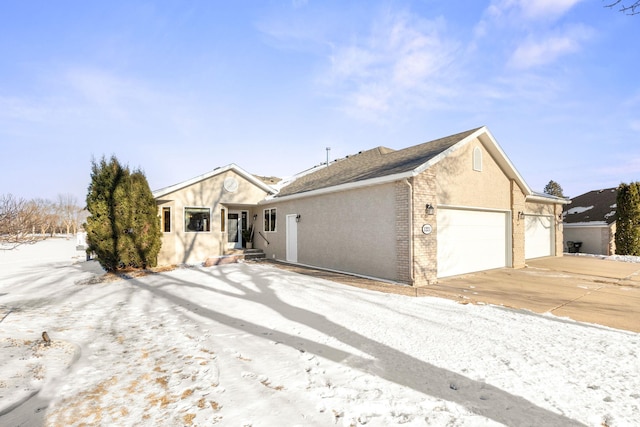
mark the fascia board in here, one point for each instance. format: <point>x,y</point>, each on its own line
<point>167,190</point>
<point>492,146</point>
<point>447,152</point>
<point>341,187</point>
<point>503,160</point>
<point>550,200</point>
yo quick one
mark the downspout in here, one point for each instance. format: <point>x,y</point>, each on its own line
<point>411,275</point>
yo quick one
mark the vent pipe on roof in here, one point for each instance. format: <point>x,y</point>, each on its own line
<point>328,149</point>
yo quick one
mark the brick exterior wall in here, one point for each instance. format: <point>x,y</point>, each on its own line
<point>517,226</point>
<point>557,211</point>
<point>403,232</point>
<point>425,255</point>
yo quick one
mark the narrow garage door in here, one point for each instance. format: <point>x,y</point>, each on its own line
<point>471,240</point>
<point>538,236</point>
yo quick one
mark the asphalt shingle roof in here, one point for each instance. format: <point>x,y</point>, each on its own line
<point>375,163</point>
<point>594,206</point>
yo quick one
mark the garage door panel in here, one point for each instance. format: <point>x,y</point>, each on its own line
<point>538,236</point>
<point>470,240</point>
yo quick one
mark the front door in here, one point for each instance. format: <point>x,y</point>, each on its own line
<point>237,221</point>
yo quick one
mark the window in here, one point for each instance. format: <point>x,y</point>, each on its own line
<point>166,220</point>
<point>223,220</point>
<point>270,219</point>
<point>477,159</point>
<point>197,219</point>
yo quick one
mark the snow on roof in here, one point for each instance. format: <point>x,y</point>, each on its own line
<point>579,209</point>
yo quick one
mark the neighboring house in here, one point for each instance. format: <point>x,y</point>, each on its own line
<point>447,207</point>
<point>590,220</point>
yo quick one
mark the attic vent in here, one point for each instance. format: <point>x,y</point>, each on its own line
<point>477,159</point>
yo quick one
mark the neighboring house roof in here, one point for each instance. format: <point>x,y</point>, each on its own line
<point>594,207</point>
<point>217,171</point>
<point>382,164</point>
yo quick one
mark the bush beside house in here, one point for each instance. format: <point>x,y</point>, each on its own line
<point>123,229</point>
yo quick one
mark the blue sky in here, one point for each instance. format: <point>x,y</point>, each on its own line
<point>178,88</point>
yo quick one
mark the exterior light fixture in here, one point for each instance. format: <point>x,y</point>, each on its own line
<point>298,218</point>
<point>520,215</point>
<point>255,217</point>
<point>430,209</point>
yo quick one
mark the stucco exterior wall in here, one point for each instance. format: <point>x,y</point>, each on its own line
<point>457,184</point>
<point>352,231</point>
<point>540,208</point>
<point>595,240</point>
<point>180,246</point>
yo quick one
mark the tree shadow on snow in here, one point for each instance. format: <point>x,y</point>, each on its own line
<point>390,364</point>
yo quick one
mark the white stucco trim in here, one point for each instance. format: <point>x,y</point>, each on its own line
<point>232,167</point>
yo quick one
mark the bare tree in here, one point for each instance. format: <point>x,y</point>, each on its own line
<point>17,221</point>
<point>69,212</point>
<point>633,8</point>
<point>46,219</point>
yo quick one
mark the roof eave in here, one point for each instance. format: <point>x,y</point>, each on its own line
<point>167,190</point>
<point>542,198</point>
<point>341,187</point>
<point>491,145</point>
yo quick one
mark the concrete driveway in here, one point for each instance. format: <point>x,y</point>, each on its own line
<point>587,289</point>
<point>582,288</point>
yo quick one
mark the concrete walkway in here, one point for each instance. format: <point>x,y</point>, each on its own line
<point>586,289</point>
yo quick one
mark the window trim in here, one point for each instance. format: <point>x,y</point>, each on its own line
<point>270,224</point>
<point>477,159</point>
<point>164,219</point>
<point>184,211</point>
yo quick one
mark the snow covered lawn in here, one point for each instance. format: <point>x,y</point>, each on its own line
<point>253,345</point>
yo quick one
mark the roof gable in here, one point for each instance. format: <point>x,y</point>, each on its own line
<point>232,167</point>
<point>595,206</point>
<point>382,164</point>
<point>373,164</point>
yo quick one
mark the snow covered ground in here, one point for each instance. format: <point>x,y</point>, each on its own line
<point>253,345</point>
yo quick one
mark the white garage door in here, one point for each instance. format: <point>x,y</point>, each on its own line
<point>538,236</point>
<point>471,240</point>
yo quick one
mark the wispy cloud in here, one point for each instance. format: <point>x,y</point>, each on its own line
<point>400,62</point>
<point>514,12</point>
<point>531,31</point>
<point>109,92</point>
<point>547,9</point>
<point>299,3</point>
<point>533,52</point>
